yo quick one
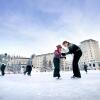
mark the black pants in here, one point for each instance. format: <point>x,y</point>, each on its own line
<point>85,69</point>
<point>2,72</point>
<point>76,70</point>
<point>56,67</point>
<point>28,72</point>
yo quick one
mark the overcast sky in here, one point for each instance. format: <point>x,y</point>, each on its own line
<point>37,26</point>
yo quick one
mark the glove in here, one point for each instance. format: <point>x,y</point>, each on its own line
<point>63,54</point>
<point>63,57</point>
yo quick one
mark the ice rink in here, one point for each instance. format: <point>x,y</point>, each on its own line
<point>42,86</point>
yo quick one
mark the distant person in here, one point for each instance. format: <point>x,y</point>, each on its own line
<point>85,67</point>
<point>3,66</point>
<point>28,70</point>
<point>56,61</point>
<point>76,51</point>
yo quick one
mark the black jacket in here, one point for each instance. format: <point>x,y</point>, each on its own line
<point>73,49</point>
<point>29,68</point>
<point>3,67</point>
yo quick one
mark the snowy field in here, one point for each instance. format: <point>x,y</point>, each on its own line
<point>42,86</point>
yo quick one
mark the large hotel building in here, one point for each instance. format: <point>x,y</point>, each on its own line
<point>91,54</point>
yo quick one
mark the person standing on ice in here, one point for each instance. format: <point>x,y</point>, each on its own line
<point>3,66</point>
<point>77,52</point>
<point>28,70</point>
<point>56,61</point>
<point>85,67</point>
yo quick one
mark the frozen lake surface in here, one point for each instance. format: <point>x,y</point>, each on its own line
<point>42,86</point>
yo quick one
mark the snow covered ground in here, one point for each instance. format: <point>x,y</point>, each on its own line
<point>42,86</point>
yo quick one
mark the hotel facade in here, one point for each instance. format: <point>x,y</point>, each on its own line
<point>91,54</point>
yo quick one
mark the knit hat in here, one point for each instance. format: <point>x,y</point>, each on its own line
<point>59,46</point>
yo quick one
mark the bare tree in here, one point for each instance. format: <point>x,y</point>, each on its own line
<point>50,66</point>
<point>44,65</point>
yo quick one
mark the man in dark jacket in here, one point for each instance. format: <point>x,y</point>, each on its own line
<point>28,70</point>
<point>3,69</point>
<point>74,49</point>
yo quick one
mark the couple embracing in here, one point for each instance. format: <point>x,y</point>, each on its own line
<point>73,49</point>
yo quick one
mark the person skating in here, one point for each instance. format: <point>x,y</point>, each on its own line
<point>3,66</point>
<point>56,60</point>
<point>77,52</point>
<point>28,70</point>
<point>85,67</point>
